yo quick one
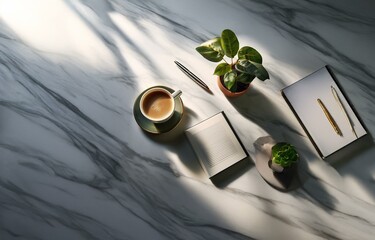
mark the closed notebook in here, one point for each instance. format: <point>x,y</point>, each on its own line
<point>216,144</point>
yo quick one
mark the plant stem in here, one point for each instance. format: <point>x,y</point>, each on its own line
<point>225,61</point>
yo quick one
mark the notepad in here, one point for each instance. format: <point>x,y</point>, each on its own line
<point>302,97</point>
<point>216,144</point>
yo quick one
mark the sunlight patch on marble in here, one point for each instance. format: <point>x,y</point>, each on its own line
<point>148,49</point>
<point>52,26</point>
<point>128,48</point>
<point>356,188</point>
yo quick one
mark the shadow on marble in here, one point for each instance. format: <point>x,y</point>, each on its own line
<point>258,108</point>
<point>170,137</point>
<point>175,141</point>
<point>224,178</point>
<point>352,175</point>
<point>359,168</point>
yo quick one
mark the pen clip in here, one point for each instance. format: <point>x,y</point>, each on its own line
<point>334,93</point>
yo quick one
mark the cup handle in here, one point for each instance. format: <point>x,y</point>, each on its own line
<point>176,93</point>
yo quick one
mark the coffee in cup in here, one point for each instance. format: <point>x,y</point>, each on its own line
<point>158,105</point>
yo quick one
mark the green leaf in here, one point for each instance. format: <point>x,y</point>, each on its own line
<point>216,45</point>
<point>252,68</point>
<point>249,53</point>
<point>284,154</point>
<point>229,43</point>
<point>245,78</point>
<point>209,54</point>
<point>230,80</point>
<point>246,66</point>
<point>261,72</point>
<point>211,50</point>
<point>222,69</point>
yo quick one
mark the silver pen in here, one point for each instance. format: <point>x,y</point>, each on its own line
<point>192,76</point>
<point>338,100</point>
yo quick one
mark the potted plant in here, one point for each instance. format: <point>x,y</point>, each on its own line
<point>236,73</point>
<point>284,157</point>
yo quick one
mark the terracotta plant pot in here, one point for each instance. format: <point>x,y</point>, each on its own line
<point>228,93</point>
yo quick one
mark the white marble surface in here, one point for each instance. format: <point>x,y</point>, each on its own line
<point>75,165</point>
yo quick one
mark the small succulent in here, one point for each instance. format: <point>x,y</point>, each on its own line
<point>245,63</point>
<point>284,154</point>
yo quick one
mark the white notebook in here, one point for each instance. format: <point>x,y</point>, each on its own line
<point>302,98</point>
<point>215,144</point>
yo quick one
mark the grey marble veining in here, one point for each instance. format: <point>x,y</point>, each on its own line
<point>75,165</point>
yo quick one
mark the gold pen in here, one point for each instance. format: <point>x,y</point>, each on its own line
<point>329,117</point>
